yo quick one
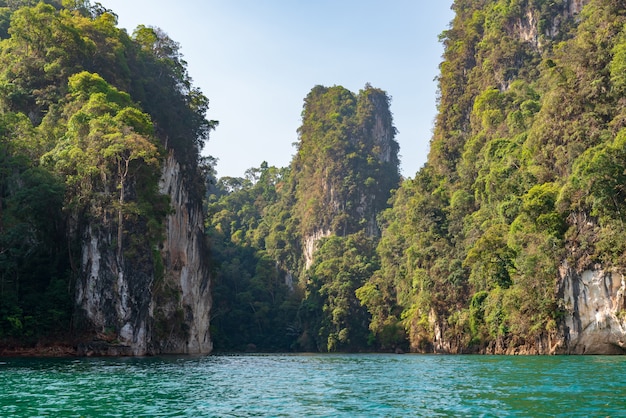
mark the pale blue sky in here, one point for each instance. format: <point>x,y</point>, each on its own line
<point>256,60</point>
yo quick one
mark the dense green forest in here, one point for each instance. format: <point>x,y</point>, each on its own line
<point>524,175</point>
<point>525,179</point>
<point>87,113</point>
<point>292,245</point>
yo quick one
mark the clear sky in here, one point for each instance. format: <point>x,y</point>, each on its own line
<point>256,60</point>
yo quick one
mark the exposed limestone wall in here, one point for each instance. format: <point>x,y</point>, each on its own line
<point>439,343</point>
<point>184,255</point>
<point>383,134</point>
<point>594,301</point>
<point>527,26</point>
<point>576,6</point>
<point>310,242</point>
<point>114,298</point>
<point>130,311</point>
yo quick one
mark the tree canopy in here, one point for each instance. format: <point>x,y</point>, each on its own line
<point>335,252</point>
<point>525,175</point>
<point>87,115</point>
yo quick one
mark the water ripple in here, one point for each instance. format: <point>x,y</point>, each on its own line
<point>314,385</point>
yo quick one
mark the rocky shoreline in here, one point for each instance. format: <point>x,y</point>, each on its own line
<point>57,350</point>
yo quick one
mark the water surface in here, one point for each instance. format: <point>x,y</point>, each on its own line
<point>359,385</point>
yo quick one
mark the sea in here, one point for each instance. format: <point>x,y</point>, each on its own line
<point>315,385</point>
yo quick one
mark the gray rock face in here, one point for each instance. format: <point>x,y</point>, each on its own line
<point>595,320</point>
<point>186,267</point>
<point>576,6</point>
<point>127,307</point>
<point>309,245</point>
<point>115,301</point>
<point>527,26</point>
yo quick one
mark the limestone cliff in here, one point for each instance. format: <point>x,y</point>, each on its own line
<point>186,270</point>
<point>147,301</point>
<point>594,306</point>
<point>347,163</point>
<point>113,298</point>
<point>534,28</point>
<point>310,242</point>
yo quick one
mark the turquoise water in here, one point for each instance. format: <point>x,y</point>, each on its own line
<point>375,385</point>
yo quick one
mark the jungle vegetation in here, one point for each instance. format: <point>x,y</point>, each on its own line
<point>87,114</point>
<point>525,175</point>
<point>336,252</point>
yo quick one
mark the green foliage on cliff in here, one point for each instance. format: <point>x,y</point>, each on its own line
<point>293,245</point>
<point>253,308</point>
<point>347,160</point>
<point>525,178</point>
<point>525,174</point>
<point>77,149</point>
<point>342,265</point>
